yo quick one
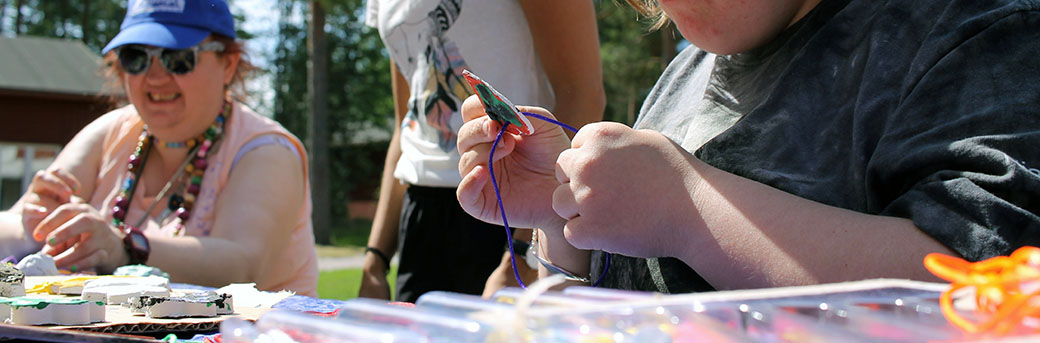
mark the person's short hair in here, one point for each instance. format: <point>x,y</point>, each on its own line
<point>651,9</point>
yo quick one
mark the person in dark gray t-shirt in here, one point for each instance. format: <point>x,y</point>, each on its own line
<point>798,142</point>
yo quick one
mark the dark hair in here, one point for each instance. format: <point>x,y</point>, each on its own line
<point>650,9</point>
<point>113,72</point>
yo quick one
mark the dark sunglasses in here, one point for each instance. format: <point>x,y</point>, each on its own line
<point>136,59</point>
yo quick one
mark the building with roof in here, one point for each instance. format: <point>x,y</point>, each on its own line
<point>49,90</point>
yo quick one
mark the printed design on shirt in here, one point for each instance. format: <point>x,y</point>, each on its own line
<point>438,87</point>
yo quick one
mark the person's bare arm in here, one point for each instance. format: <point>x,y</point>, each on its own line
<point>73,173</point>
<point>567,42</point>
<point>253,224</point>
<point>383,235</point>
<point>735,232</point>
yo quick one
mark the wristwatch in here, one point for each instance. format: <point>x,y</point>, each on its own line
<point>524,249</point>
<point>136,245</point>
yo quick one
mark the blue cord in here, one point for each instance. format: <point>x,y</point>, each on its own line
<point>502,209</point>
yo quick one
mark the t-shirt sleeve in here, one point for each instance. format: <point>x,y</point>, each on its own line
<point>372,13</point>
<point>961,154</point>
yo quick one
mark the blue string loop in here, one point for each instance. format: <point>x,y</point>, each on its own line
<point>502,208</point>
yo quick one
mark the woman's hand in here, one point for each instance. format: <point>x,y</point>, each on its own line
<point>49,189</point>
<point>523,169</point>
<point>373,279</point>
<point>80,238</point>
<point>626,191</point>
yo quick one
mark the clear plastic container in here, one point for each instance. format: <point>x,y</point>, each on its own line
<point>510,295</point>
<point>435,324</point>
<point>631,322</point>
<point>287,326</point>
<point>457,302</point>
<point>598,293</point>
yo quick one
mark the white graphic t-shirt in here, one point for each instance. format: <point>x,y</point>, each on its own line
<point>432,42</point>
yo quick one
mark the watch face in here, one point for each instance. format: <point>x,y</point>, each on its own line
<point>140,243</point>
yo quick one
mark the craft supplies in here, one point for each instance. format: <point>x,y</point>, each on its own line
<point>863,311</point>
<point>115,290</point>
<point>201,304</point>
<point>497,106</point>
<point>1005,291</point>
<point>38,264</point>
<point>140,270</point>
<point>12,281</point>
<point>57,311</point>
<point>64,286</point>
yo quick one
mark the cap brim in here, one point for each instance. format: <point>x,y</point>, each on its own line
<point>160,35</point>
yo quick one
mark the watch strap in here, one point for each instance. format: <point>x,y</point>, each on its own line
<point>136,245</point>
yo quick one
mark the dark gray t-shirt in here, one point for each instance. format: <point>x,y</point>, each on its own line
<point>921,109</point>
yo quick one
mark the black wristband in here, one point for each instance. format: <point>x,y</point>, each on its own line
<point>382,256</point>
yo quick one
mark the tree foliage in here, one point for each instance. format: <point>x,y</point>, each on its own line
<point>632,58</point>
<point>94,22</point>
<point>359,95</point>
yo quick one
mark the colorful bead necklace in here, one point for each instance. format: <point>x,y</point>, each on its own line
<point>194,167</point>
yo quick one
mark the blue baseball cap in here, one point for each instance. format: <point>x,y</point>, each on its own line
<point>172,24</point>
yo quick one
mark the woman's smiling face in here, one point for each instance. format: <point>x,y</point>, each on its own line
<point>179,107</point>
<point>732,26</point>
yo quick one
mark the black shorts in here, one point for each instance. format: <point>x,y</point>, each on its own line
<point>443,248</point>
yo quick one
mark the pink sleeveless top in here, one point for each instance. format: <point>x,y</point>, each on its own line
<point>297,270</point>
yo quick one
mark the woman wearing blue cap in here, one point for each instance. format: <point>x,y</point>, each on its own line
<point>184,178</point>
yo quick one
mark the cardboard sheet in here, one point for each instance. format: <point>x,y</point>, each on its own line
<point>119,320</point>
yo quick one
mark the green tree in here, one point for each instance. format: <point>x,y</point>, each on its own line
<point>359,98</point>
<point>633,58</point>
<point>94,22</point>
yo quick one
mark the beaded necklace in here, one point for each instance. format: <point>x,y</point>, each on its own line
<point>194,167</point>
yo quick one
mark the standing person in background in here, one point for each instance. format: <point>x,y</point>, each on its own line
<point>184,178</point>
<point>810,141</point>
<point>539,52</point>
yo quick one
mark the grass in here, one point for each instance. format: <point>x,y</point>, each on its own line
<point>338,251</point>
<point>348,239</point>
<point>351,233</point>
<point>343,284</point>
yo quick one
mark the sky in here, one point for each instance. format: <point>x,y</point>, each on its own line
<point>261,19</point>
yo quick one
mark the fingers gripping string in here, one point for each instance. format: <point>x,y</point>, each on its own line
<point>554,121</point>
<point>502,209</point>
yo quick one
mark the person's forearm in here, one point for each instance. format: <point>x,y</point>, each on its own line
<point>205,261</point>
<point>754,235</point>
<point>567,42</point>
<point>383,235</point>
<point>554,248</point>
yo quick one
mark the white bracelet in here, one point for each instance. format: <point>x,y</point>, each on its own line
<point>551,267</point>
